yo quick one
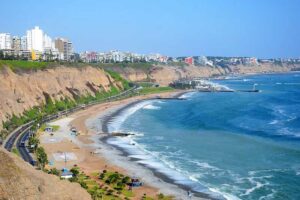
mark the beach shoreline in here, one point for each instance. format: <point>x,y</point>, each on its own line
<point>166,184</point>
<point>94,154</point>
<point>106,119</point>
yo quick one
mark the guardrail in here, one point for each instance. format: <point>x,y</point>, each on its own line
<point>21,134</point>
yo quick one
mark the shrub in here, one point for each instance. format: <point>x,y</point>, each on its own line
<point>83,184</point>
<point>75,171</point>
<point>41,157</point>
<point>54,171</point>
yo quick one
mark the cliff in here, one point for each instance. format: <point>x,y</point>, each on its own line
<point>165,74</point>
<point>19,180</point>
<point>21,91</point>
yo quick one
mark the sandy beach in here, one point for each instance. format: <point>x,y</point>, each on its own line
<point>90,152</point>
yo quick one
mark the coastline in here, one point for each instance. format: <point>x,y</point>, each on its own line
<point>107,118</point>
<point>93,153</point>
<point>119,157</point>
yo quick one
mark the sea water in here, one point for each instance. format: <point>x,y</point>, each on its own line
<point>236,145</point>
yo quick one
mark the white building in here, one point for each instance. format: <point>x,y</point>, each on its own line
<point>5,41</point>
<point>35,39</point>
<point>48,43</point>
<point>24,43</point>
<point>202,60</point>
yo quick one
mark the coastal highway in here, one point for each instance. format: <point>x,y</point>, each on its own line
<point>22,148</point>
<point>21,134</point>
<point>9,143</point>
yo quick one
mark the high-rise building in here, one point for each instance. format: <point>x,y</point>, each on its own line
<point>24,43</point>
<point>5,41</point>
<point>65,48</point>
<point>35,39</point>
<point>48,43</point>
<point>16,43</point>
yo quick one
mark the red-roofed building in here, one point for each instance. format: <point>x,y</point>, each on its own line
<point>189,60</point>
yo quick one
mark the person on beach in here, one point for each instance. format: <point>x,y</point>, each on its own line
<point>190,194</point>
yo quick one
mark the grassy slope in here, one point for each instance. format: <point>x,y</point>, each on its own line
<point>151,90</point>
<point>25,65</point>
<point>34,65</point>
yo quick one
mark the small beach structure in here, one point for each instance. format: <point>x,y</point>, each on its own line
<point>66,174</point>
<point>135,182</point>
<point>74,131</point>
<point>48,129</point>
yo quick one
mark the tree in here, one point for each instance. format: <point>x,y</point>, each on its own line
<point>33,141</point>
<point>1,55</point>
<point>75,171</point>
<point>41,157</point>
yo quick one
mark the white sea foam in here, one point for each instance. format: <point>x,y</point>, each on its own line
<point>224,194</point>
<point>269,196</point>
<point>274,122</point>
<point>257,185</point>
<point>187,95</point>
<point>217,85</point>
<point>287,132</point>
<point>205,165</point>
<point>282,115</point>
<point>151,107</point>
<point>121,118</point>
<point>161,164</point>
<point>246,80</point>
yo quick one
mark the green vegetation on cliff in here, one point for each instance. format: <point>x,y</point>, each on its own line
<point>39,65</point>
<point>24,65</point>
<point>117,77</point>
<point>150,90</point>
<point>37,113</point>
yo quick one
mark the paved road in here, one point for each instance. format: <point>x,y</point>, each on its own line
<point>22,148</point>
<point>9,143</point>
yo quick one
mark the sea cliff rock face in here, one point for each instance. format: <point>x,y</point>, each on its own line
<point>263,68</point>
<point>132,74</point>
<point>165,74</point>
<point>21,91</point>
<point>19,180</point>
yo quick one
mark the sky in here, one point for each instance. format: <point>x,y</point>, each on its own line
<point>259,28</point>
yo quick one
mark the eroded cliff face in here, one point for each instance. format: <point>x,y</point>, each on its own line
<point>21,91</point>
<point>132,74</point>
<point>164,74</point>
<point>19,180</point>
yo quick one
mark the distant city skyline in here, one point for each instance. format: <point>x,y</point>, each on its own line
<point>252,28</point>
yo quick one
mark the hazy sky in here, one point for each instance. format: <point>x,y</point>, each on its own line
<point>261,28</point>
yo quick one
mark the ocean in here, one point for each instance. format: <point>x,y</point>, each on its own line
<point>228,145</point>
